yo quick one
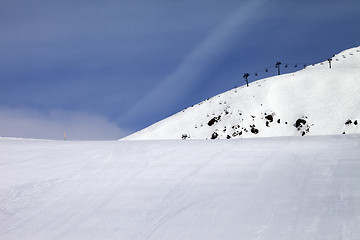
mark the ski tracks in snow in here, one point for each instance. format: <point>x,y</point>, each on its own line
<point>282,188</point>
<point>178,200</point>
<point>54,194</point>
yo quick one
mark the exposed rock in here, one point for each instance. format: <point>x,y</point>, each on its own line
<point>237,133</point>
<point>235,127</point>
<point>299,123</point>
<point>214,135</point>
<point>214,120</point>
<point>184,136</point>
<point>348,122</point>
<point>270,118</point>
<point>253,129</point>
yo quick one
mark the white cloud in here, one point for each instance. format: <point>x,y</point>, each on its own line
<point>25,123</point>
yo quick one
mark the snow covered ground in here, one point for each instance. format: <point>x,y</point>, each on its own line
<point>264,188</point>
<point>317,100</point>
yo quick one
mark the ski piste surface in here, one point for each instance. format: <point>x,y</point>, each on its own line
<point>265,188</point>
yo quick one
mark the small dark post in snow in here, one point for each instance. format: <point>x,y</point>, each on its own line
<point>246,75</point>
<point>329,60</point>
<point>277,65</point>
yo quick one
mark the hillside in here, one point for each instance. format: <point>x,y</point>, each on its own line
<point>317,100</point>
<point>270,189</point>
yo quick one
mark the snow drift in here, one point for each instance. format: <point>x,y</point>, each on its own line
<point>317,100</point>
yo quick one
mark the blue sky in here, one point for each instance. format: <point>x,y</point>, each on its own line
<point>100,70</point>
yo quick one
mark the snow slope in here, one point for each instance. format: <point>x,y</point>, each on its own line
<point>271,188</point>
<point>313,101</point>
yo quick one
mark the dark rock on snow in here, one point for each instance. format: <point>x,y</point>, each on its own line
<point>214,120</point>
<point>270,118</point>
<point>214,135</point>
<point>348,122</point>
<point>299,123</point>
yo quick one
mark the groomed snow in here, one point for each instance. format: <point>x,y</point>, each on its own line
<point>270,189</point>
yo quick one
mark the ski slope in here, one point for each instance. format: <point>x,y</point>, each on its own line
<point>264,188</point>
<point>317,100</point>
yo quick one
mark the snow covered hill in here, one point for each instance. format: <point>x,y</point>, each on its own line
<point>317,100</point>
<point>254,189</point>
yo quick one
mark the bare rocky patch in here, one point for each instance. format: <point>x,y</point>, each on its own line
<point>214,120</point>
<point>214,135</point>
<point>349,122</point>
<point>302,125</point>
<point>254,130</point>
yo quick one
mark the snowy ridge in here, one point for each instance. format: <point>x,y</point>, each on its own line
<point>317,100</point>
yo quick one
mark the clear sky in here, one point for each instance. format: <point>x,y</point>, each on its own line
<point>104,69</point>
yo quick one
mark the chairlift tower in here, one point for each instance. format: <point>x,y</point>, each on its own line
<point>277,65</point>
<point>246,75</point>
<point>329,60</point>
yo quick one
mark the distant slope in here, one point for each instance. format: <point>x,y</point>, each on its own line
<point>271,189</point>
<point>313,101</point>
